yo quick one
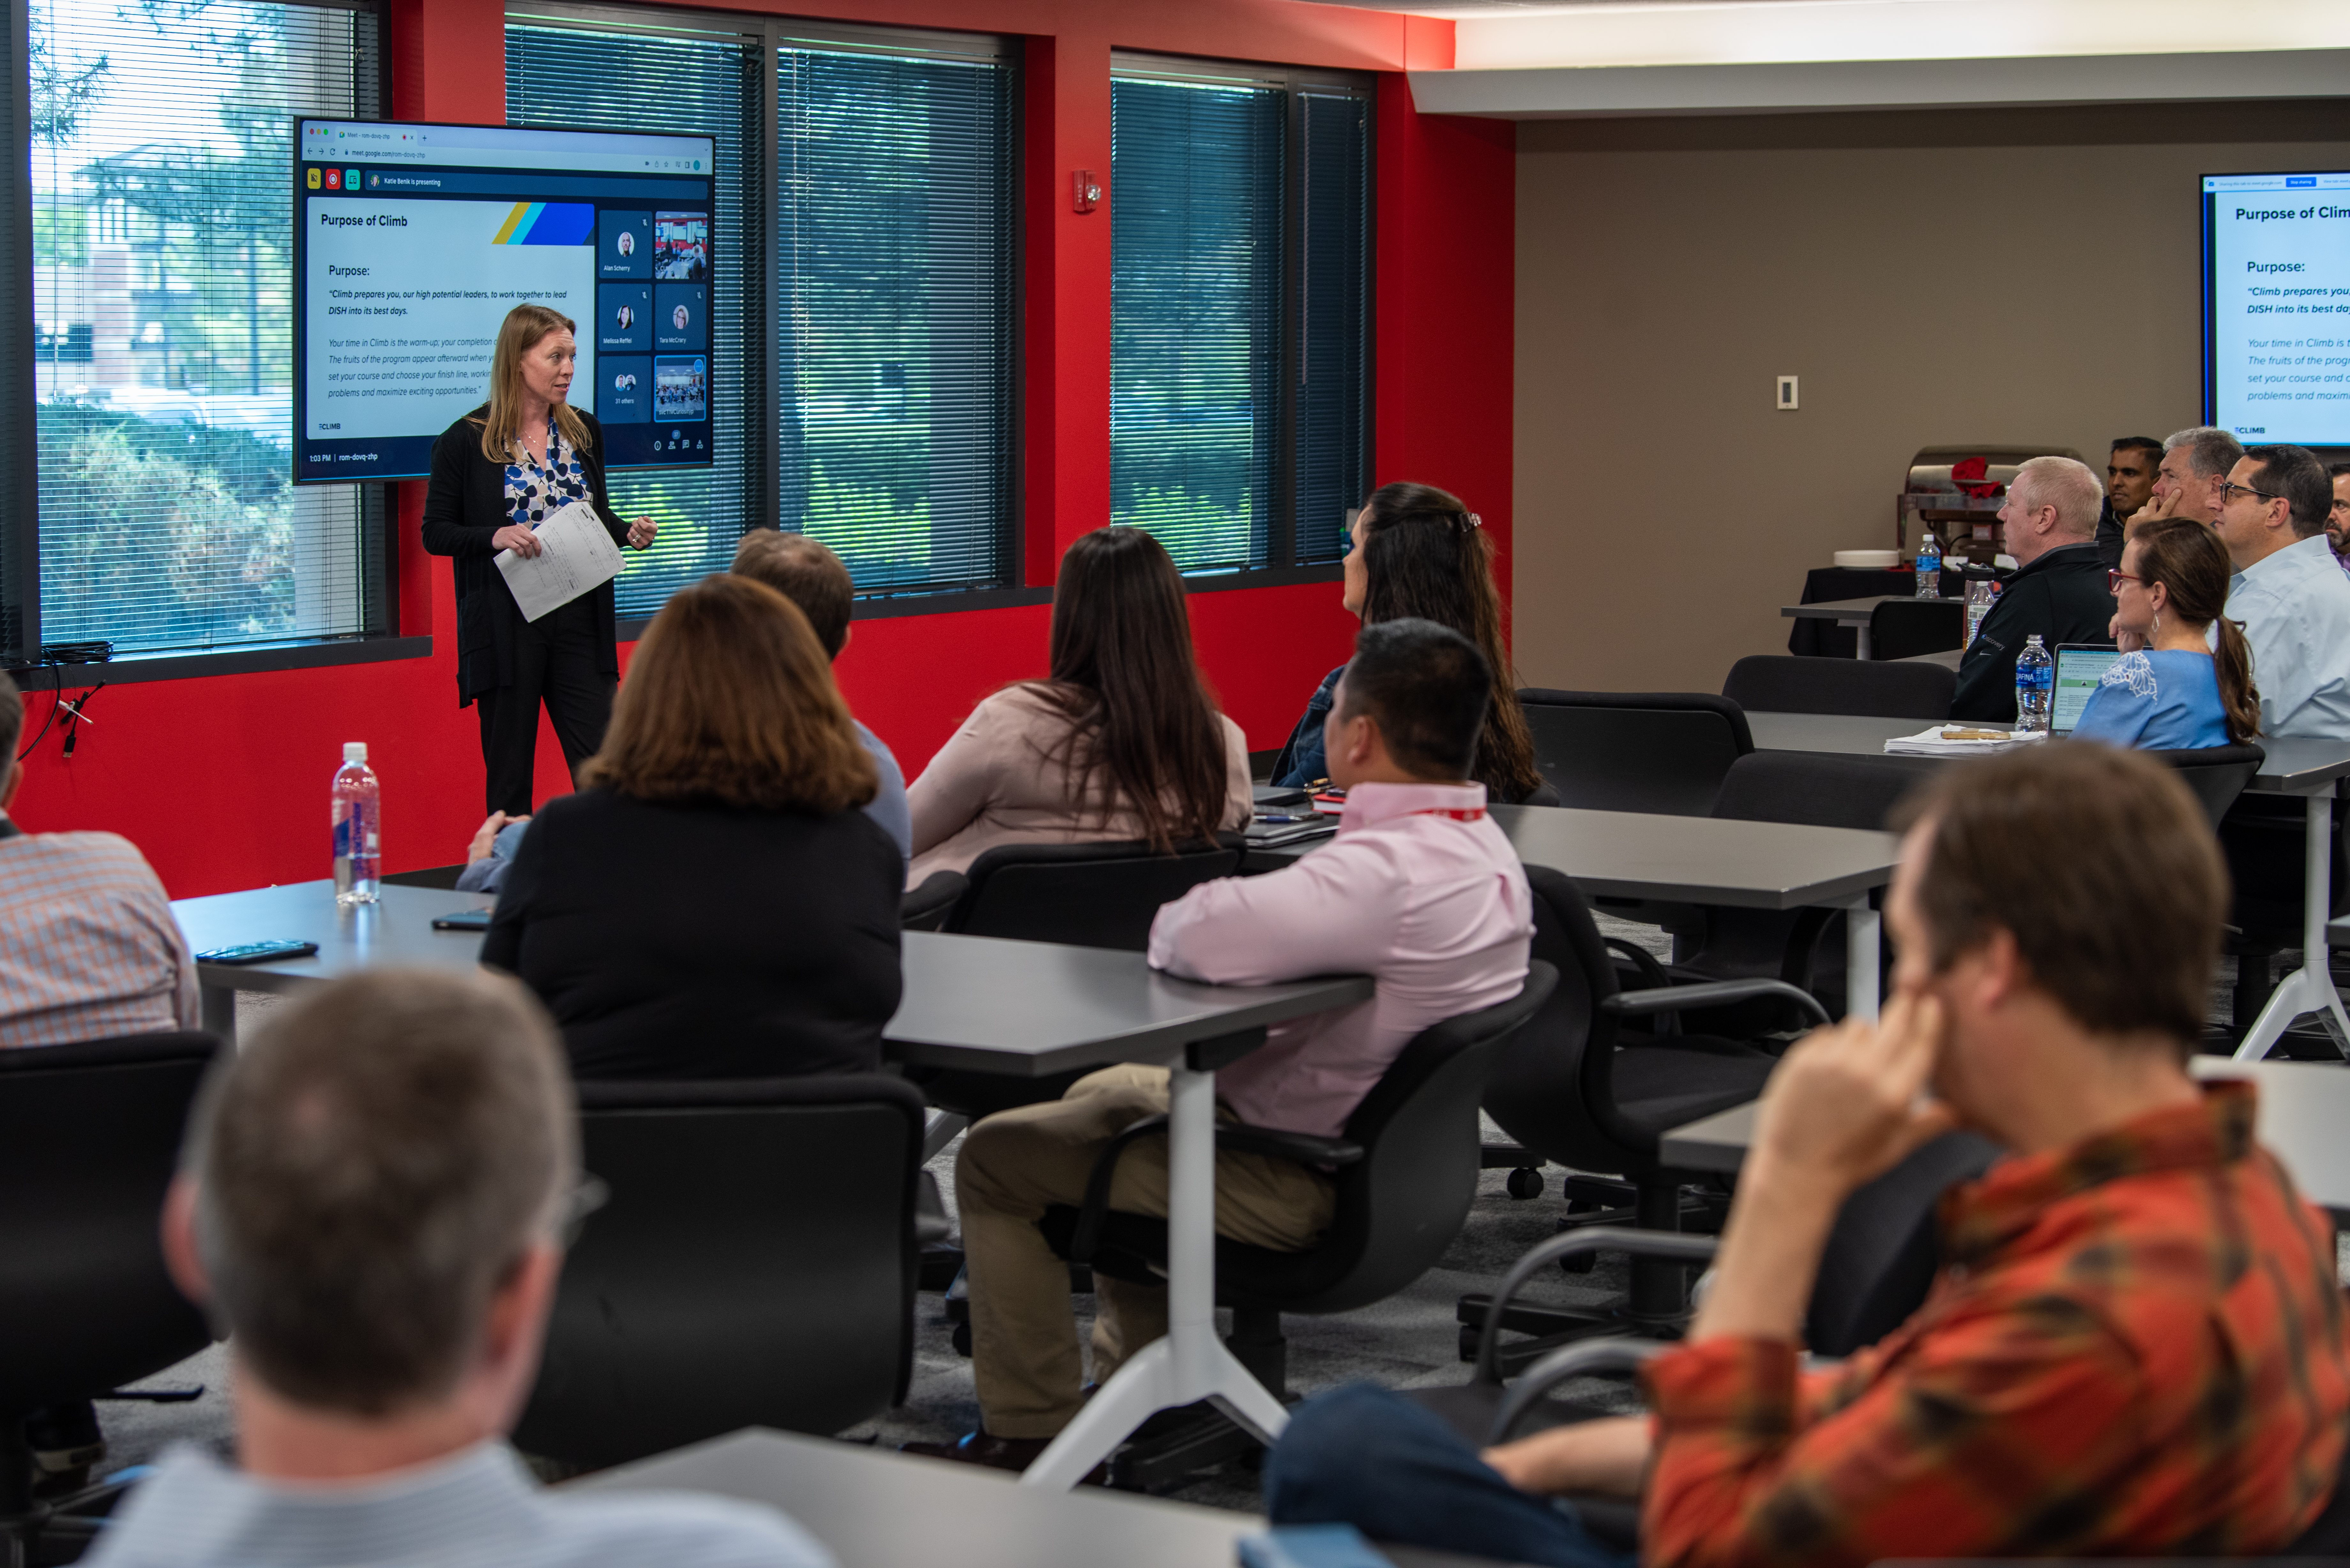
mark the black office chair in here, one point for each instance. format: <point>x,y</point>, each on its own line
<point>1407,1172</point>
<point>1583,1086</point>
<point>2218,774</point>
<point>754,1267</point>
<point>1904,628</point>
<point>1083,895</point>
<point>1774,683</point>
<point>926,908</point>
<point>1803,947</point>
<point>89,1139</point>
<point>1662,752</point>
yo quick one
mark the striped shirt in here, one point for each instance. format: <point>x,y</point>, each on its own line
<point>2135,1348</point>
<point>88,948</point>
<point>473,1509</point>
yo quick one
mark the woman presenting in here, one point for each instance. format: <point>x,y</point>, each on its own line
<point>515,460</point>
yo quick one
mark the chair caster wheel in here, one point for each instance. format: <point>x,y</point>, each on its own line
<point>1524,1183</point>
<point>963,1339</point>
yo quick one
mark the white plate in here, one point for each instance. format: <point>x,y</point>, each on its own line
<point>1868,557</point>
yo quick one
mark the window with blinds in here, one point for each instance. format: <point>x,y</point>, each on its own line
<point>646,70</point>
<point>896,224</point>
<point>160,138</point>
<point>1239,310</point>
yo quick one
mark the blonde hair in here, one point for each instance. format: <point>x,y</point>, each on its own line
<point>730,699</point>
<point>524,328</point>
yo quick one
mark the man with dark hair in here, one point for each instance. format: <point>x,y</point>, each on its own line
<point>2337,517</point>
<point>1419,890</point>
<point>2129,484</point>
<point>807,573</point>
<point>2292,598</point>
<point>2136,1344</point>
<point>369,1206</point>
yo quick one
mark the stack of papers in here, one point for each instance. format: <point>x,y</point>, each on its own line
<point>1956,739</point>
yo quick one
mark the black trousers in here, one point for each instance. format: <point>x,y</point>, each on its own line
<point>556,661</point>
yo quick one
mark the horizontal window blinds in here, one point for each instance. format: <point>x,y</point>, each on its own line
<point>592,73</point>
<point>896,334</point>
<point>1334,319</point>
<point>1196,285</point>
<point>162,307</point>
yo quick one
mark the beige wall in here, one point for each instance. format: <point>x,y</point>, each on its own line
<point>1934,279</point>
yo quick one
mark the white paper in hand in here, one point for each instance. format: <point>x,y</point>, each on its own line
<point>574,554</point>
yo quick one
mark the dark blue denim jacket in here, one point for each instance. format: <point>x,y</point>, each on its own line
<point>1301,762</point>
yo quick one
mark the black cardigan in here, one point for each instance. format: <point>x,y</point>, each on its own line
<point>464,505</point>
<point>704,941</point>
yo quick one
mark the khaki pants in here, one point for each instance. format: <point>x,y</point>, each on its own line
<point>1016,1164</point>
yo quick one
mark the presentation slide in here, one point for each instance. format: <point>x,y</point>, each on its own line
<point>2276,307</point>
<point>412,242</point>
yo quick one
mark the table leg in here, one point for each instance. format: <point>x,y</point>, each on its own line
<point>1190,1364</point>
<point>216,1012</point>
<point>2309,988</point>
<point>1861,634</point>
<point>1863,950</point>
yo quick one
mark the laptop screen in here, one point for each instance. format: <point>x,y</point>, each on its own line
<point>2079,667</point>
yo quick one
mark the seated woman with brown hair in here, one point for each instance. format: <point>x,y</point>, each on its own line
<point>1120,740</point>
<point>2177,686</point>
<point>714,904</point>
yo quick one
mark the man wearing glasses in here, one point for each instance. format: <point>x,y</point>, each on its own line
<point>2291,599</point>
<point>2337,524</point>
<point>2049,524</point>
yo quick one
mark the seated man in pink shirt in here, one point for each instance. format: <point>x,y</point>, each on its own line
<point>1419,889</point>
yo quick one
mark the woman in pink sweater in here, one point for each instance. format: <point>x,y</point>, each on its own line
<point>1121,742</point>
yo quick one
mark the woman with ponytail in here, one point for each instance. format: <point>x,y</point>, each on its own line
<point>2176,686</point>
<point>1417,552</point>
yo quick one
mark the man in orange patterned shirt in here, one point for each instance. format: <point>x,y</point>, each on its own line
<point>2135,1345</point>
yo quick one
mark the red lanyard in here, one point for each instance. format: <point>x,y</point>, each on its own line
<point>1456,813</point>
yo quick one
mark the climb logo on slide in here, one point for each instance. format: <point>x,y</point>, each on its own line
<point>548,223</point>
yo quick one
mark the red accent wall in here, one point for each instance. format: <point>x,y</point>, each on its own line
<point>223,781</point>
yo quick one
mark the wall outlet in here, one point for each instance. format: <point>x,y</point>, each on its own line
<point>1787,403</point>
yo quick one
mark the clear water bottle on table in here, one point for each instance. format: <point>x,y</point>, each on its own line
<point>359,829</point>
<point>2035,683</point>
<point>1982,593</point>
<point>1929,568</point>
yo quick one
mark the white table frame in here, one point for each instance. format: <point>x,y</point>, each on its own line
<point>2309,988</point>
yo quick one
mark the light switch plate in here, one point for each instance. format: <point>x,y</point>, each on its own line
<point>1787,403</point>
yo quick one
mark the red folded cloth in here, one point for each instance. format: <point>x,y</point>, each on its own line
<point>1969,476</point>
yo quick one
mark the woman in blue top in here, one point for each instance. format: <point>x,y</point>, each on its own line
<point>2170,690</point>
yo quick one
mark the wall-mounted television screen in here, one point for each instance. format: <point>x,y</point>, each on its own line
<point>412,242</point>
<point>2276,307</point>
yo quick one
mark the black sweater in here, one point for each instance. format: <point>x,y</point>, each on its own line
<point>2062,596</point>
<point>704,941</point>
<point>464,505</point>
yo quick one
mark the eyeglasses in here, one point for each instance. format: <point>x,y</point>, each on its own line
<point>2115,579</point>
<point>2227,489</point>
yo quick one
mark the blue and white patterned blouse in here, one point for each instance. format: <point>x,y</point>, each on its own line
<point>535,491</point>
<point>2157,702</point>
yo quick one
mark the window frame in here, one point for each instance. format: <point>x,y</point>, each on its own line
<point>769,33</point>
<point>1282,566</point>
<point>21,643</point>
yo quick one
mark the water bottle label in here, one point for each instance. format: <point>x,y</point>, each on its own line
<point>342,836</point>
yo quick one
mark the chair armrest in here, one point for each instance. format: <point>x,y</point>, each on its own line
<point>925,909</point>
<point>1596,1238</point>
<point>1576,1360</point>
<point>1710,993</point>
<point>1651,973</point>
<point>1298,1148</point>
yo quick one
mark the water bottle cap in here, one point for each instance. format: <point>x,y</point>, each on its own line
<point>2032,640</point>
<point>355,751</point>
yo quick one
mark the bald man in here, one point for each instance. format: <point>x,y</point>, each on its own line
<point>2050,525</point>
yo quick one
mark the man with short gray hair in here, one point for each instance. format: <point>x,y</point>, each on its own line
<point>2195,462</point>
<point>370,1206</point>
<point>2049,526</point>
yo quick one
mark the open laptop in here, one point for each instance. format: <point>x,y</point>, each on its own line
<point>2079,667</point>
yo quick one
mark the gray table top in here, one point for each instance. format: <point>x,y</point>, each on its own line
<point>1694,860</point>
<point>1855,610</point>
<point>2304,1109</point>
<point>1028,1008</point>
<point>1948,658</point>
<point>2293,766</point>
<point>877,1509</point>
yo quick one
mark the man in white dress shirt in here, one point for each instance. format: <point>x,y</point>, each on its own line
<point>2293,601</point>
<point>371,1203</point>
<point>1419,889</point>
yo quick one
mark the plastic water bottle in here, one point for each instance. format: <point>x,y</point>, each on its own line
<point>1982,593</point>
<point>358,829</point>
<point>2035,681</point>
<point>1929,568</point>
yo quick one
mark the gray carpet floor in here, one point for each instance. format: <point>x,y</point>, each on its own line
<point>1410,1339</point>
